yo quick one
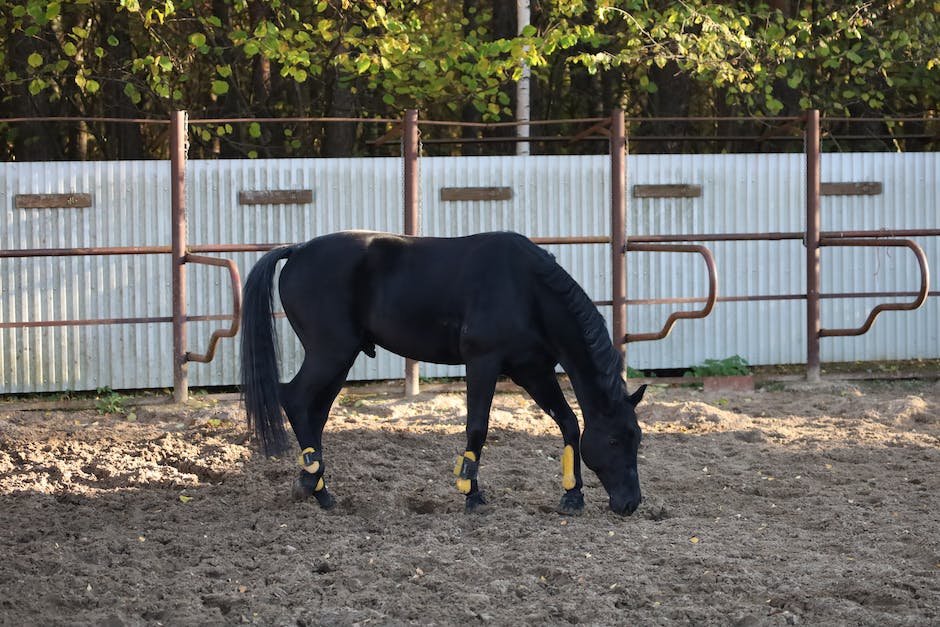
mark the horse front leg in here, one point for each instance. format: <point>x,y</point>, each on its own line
<point>481,385</point>
<point>542,386</point>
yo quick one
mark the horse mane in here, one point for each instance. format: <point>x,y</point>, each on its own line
<point>606,359</point>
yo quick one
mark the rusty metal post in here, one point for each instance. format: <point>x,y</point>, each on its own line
<point>178,133</point>
<point>812,149</point>
<point>412,226</point>
<point>618,231</point>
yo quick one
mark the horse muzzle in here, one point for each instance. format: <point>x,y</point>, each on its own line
<point>624,506</point>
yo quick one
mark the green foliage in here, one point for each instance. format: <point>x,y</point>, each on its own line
<point>633,373</point>
<point>107,401</point>
<point>728,367</point>
<point>453,59</point>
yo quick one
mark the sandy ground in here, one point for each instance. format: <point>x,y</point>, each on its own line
<point>783,506</point>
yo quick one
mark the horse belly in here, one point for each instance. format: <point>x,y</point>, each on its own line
<point>420,337</point>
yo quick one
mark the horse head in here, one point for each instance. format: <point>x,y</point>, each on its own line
<point>609,448</point>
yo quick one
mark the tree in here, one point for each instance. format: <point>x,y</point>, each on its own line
<point>452,60</point>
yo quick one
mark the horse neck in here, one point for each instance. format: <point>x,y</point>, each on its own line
<point>593,385</point>
<point>594,396</point>
<point>580,337</point>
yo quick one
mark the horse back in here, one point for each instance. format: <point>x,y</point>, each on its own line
<point>432,299</point>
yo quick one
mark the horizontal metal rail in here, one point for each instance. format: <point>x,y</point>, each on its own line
<point>588,239</point>
<point>234,317</point>
<point>779,236</point>
<point>90,322</point>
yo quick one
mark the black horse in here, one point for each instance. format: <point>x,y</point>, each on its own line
<point>493,301</point>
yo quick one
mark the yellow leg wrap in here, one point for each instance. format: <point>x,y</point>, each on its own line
<point>463,485</point>
<point>312,467</point>
<point>319,485</point>
<point>567,468</point>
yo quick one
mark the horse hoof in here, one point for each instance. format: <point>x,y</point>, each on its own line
<point>325,499</point>
<point>305,486</point>
<point>572,504</point>
<point>476,504</point>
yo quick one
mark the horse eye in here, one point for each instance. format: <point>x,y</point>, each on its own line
<point>613,441</point>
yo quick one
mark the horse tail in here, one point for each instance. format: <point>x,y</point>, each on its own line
<point>260,373</point>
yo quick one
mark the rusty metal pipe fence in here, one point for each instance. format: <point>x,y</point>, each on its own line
<point>619,240</point>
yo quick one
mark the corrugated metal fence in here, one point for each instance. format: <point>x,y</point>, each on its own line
<point>549,196</point>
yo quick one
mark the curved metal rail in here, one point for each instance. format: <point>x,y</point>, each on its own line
<point>909,306</point>
<point>679,315</point>
<point>232,330</point>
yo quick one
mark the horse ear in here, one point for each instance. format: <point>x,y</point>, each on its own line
<point>637,396</point>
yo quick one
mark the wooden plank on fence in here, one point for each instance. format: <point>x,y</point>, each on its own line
<point>275,197</point>
<point>476,193</point>
<point>52,201</point>
<point>861,188</point>
<point>667,191</point>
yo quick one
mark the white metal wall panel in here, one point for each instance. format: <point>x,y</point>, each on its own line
<point>740,193</point>
<point>552,196</point>
<point>910,200</point>
<point>130,207</point>
<point>347,194</point>
<point>766,193</point>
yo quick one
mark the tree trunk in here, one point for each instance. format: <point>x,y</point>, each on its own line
<point>339,138</point>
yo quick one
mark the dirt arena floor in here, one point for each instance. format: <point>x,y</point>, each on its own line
<point>788,505</point>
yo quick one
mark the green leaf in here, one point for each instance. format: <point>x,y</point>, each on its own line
<point>795,79</point>
<point>131,91</point>
<point>198,40</point>
<point>363,62</point>
<point>254,130</point>
<point>219,88</point>
<point>34,60</point>
<point>113,41</point>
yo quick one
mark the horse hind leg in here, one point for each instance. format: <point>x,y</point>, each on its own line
<point>307,400</point>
